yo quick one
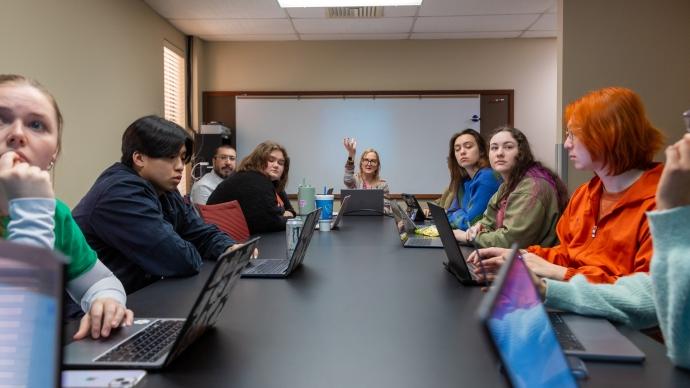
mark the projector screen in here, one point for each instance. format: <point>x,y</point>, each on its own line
<point>410,134</point>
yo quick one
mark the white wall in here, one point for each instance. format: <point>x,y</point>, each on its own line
<point>529,66</point>
<point>102,60</point>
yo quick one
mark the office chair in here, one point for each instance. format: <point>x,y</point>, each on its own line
<point>228,217</point>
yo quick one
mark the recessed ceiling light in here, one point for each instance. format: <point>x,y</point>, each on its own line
<point>347,3</point>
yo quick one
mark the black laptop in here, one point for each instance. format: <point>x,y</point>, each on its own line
<point>457,254</point>
<point>282,268</point>
<point>153,343</point>
<point>414,209</point>
<point>407,230</point>
<point>363,202</point>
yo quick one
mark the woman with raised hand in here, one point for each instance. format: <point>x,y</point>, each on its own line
<point>527,205</point>
<point>30,134</point>
<point>368,176</point>
<point>472,181</point>
<point>603,232</point>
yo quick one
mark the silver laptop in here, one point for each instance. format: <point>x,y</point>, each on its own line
<point>282,268</point>
<point>364,202</point>
<point>585,337</point>
<point>31,290</point>
<point>457,254</point>
<point>406,228</point>
<point>153,343</point>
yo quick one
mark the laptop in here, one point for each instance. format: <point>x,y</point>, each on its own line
<point>338,217</point>
<point>588,338</point>
<point>153,343</point>
<point>31,290</point>
<point>457,263</point>
<point>406,228</point>
<point>520,332</point>
<point>364,202</point>
<point>282,268</point>
<point>414,209</point>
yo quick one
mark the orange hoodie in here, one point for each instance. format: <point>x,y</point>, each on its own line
<point>618,244</point>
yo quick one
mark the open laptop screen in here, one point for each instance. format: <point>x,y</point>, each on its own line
<point>30,301</point>
<point>522,333</point>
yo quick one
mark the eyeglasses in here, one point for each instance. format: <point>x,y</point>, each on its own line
<point>372,162</point>
<point>569,134</point>
<point>225,157</point>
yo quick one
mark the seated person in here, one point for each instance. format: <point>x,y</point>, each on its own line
<point>472,181</point>
<point>643,300</point>
<point>30,135</point>
<point>603,232</point>
<point>135,218</point>
<point>369,169</point>
<point>259,187</point>
<point>528,203</point>
<point>223,165</point>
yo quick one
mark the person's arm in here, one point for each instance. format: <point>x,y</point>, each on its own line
<point>476,201</point>
<point>287,204</point>
<point>201,190</point>
<point>349,178</point>
<point>94,283</point>
<point>628,301</point>
<point>208,240</point>
<point>32,221</point>
<point>670,279</point>
<point>129,217</point>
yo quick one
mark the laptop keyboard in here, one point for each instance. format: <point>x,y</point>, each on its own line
<point>421,241</point>
<point>147,345</point>
<point>268,267</point>
<point>563,333</point>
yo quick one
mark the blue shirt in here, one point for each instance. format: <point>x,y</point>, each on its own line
<point>477,192</point>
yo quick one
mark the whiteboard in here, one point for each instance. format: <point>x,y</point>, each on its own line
<point>410,134</point>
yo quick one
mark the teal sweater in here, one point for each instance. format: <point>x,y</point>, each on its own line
<point>643,300</point>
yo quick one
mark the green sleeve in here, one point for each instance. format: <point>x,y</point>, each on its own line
<point>525,218</point>
<point>70,241</point>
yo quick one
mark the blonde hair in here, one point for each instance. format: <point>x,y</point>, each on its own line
<point>378,165</point>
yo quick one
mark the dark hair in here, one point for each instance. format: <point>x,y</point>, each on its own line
<point>457,173</point>
<point>258,160</point>
<point>526,165</point>
<point>20,79</point>
<point>154,137</point>
<point>224,146</point>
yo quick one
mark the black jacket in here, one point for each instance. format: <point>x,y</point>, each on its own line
<point>257,197</point>
<point>142,236</point>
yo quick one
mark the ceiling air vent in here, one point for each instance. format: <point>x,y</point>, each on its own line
<point>354,12</point>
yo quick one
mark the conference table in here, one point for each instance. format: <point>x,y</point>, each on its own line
<point>361,311</point>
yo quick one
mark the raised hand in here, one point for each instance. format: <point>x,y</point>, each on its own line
<point>351,146</point>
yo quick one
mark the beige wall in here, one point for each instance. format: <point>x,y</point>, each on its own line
<point>526,65</point>
<point>102,60</point>
<point>640,44</point>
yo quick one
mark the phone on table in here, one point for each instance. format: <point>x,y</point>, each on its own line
<point>101,378</point>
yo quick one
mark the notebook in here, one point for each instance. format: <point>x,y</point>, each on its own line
<point>31,290</point>
<point>520,333</point>
<point>406,228</point>
<point>457,254</point>
<point>282,268</point>
<point>153,343</point>
<point>585,337</point>
<point>364,202</point>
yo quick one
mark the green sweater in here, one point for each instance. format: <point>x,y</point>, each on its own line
<point>643,300</point>
<point>69,241</point>
<point>530,217</point>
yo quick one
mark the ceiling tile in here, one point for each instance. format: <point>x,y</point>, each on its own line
<point>474,23</point>
<point>233,26</point>
<point>345,26</point>
<point>248,37</point>
<point>467,35</point>
<point>353,36</point>
<point>539,34</point>
<point>483,7</point>
<point>547,21</point>
<point>216,9</point>
<point>320,12</point>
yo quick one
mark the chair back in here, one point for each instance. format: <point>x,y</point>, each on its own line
<point>228,217</point>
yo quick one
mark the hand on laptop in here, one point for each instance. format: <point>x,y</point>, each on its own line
<point>105,315</point>
<point>235,247</point>
<point>492,259</point>
<point>543,268</point>
<point>675,179</point>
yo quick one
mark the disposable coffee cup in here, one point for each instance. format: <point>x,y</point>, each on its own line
<point>325,203</point>
<point>325,225</point>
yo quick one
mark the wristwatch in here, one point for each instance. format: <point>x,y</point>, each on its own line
<point>349,159</point>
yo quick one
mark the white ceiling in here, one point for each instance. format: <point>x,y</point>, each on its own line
<point>264,20</point>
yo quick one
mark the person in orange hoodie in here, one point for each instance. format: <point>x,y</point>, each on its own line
<point>603,232</point>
